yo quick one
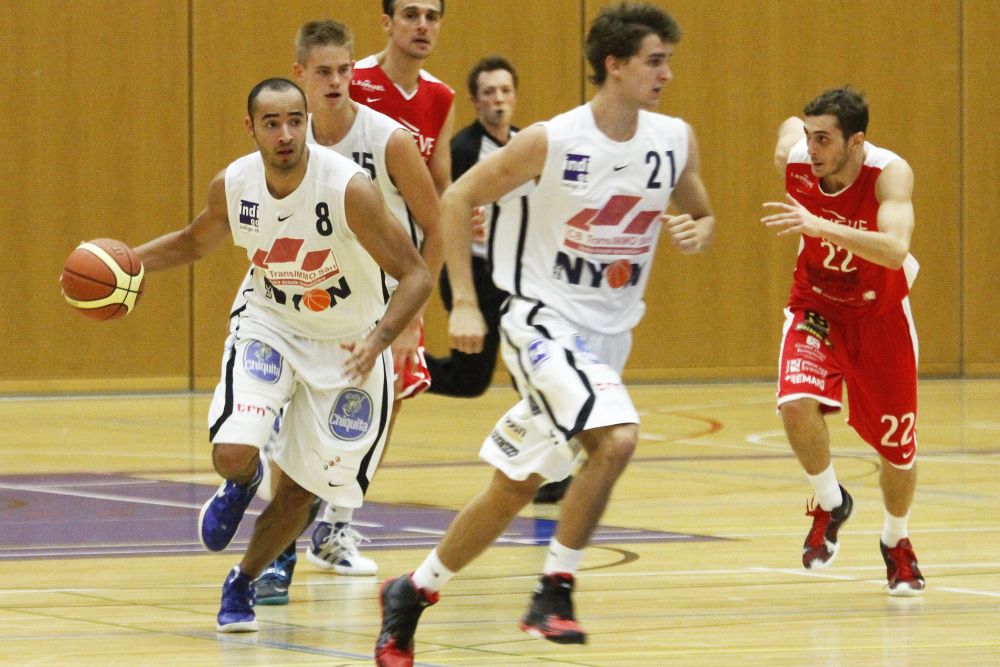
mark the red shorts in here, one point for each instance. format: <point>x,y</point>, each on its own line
<point>877,360</point>
<point>413,377</point>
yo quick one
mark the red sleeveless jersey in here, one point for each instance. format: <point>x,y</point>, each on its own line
<point>831,279</point>
<point>422,113</point>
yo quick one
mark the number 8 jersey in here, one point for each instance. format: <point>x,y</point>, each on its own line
<point>311,276</point>
<point>582,241</point>
<point>829,278</point>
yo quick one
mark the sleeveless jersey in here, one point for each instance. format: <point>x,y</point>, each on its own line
<point>582,241</point>
<point>365,144</point>
<point>422,113</point>
<point>311,276</point>
<point>841,285</point>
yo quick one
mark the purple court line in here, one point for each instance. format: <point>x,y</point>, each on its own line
<point>87,515</point>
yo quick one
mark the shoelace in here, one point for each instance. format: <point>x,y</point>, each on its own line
<point>903,558</point>
<point>343,539</point>
<point>821,519</point>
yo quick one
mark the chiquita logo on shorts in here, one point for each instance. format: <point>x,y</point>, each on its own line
<point>262,361</point>
<point>351,416</point>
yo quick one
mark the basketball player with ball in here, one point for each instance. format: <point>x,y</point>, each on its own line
<point>604,175</point>
<point>386,150</point>
<point>311,221</point>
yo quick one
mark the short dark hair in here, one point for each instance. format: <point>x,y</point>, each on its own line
<point>389,7</point>
<point>619,30</point>
<point>848,105</point>
<point>275,83</point>
<point>321,33</point>
<point>489,64</point>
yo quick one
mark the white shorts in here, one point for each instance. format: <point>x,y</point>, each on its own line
<point>332,432</point>
<point>569,380</point>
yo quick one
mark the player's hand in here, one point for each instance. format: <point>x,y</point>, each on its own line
<point>404,348</point>
<point>361,360</point>
<point>792,218</point>
<point>684,232</point>
<point>480,225</point>
<point>466,328</point>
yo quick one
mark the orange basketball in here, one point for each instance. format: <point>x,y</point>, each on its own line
<point>102,279</point>
<point>618,273</point>
<point>316,300</point>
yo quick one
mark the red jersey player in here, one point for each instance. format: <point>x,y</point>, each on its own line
<point>848,319</point>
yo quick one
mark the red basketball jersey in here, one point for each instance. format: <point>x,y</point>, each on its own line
<point>831,279</point>
<point>422,113</point>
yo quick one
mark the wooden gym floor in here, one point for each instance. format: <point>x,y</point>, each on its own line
<point>696,561</point>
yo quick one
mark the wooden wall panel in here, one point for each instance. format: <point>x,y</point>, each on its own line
<point>741,69</point>
<point>980,165</point>
<point>95,144</point>
<point>129,108</point>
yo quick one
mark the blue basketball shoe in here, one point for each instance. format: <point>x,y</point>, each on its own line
<point>272,586</point>
<point>221,515</point>
<point>236,613</point>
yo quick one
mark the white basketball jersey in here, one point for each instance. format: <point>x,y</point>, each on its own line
<point>583,240</point>
<point>365,144</point>
<point>311,277</point>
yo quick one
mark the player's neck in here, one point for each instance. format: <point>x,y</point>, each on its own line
<point>843,177</point>
<point>281,183</point>
<point>500,133</point>
<point>614,118</point>
<point>401,68</point>
<point>330,128</point>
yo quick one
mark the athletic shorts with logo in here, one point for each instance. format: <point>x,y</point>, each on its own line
<point>332,432</point>
<point>877,361</point>
<point>569,380</point>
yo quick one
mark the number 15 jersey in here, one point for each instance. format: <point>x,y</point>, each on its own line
<point>582,241</point>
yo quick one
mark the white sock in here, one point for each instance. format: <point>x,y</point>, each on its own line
<point>562,559</point>
<point>827,489</point>
<point>337,515</point>
<point>432,575</point>
<point>894,528</point>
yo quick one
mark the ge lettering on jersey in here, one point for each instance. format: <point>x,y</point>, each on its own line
<point>422,113</point>
<point>311,275</point>
<point>588,231</point>
<point>831,278</point>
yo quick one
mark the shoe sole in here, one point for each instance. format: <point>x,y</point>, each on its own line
<point>905,591</point>
<point>272,600</point>
<point>558,639</point>
<point>244,626</point>
<point>339,569</point>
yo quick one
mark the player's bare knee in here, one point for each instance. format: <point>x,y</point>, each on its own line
<point>798,411</point>
<point>612,448</point>
<point>514,492</point>
<point>235,462</point>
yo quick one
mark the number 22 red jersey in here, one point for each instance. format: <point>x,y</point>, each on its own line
<point>423,113</point>
<point>831,279</point>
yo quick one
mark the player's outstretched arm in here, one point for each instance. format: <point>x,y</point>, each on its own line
<point>384,239</point>
<point>204,234</point>
<point>520,161</point>
<point>693,230</point>
<point>789,134</point>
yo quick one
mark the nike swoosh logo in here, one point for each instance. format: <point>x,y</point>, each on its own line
<point>369,100</point>
<point>282,219</point>
<point>335,485</point>
<point>908,454</point>
<point>622,167</point>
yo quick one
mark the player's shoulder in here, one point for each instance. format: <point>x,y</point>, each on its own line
<point>658,122</point>
<point>878,157</point>
<point>247,164</point>
<point>368,62</point>
<point>432,80</point>
<point>378,120</point>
